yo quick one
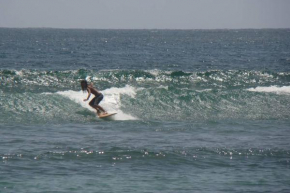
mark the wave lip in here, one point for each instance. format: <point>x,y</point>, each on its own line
<point>272,89</point>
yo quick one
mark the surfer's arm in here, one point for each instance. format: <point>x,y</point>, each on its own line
<point>89,95</point>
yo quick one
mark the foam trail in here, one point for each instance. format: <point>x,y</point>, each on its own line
<point>272,89</point>
<point>111,102</point>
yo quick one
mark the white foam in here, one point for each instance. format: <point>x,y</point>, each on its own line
<point>272,89</point>
<point>111,102</point>
<point>19,73</point>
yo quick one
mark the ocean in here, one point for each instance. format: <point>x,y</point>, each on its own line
<point>197,110</point>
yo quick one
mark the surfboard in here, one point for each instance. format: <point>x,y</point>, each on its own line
<point>106,115</point>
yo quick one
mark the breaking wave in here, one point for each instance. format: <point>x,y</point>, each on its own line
<point>55,96</point>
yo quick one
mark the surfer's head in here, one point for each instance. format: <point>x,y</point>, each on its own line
<point>84,85</point>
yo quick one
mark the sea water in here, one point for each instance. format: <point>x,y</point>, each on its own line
<point>197,110</point>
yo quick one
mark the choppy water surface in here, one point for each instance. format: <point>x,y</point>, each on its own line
<point>197,111</point>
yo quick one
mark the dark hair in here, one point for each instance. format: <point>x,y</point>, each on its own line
<point>84,85</point>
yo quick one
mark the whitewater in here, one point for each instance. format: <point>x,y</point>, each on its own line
<point>112,101</point>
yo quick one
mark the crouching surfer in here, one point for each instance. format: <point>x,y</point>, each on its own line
<point>94,103</point>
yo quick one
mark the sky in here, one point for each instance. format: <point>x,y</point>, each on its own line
<point>145,14</point>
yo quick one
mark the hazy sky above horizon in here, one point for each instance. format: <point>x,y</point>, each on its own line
<point>145,14</point>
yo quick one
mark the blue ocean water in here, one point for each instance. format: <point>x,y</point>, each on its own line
<point>197,110</point>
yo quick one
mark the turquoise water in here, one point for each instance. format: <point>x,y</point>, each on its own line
<point>198,111</point>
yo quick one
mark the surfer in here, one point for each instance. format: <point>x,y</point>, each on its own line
<point>94,103</point>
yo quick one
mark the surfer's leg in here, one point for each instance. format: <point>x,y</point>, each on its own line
<point>92,102</point>
<point>98,111</point>
<point>93,105</point>
<point>101,108</point>
<point>97,101</point>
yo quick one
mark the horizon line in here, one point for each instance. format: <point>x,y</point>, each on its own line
<point>73,28</point>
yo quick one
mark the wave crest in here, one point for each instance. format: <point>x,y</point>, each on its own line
<point>146,95</point>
